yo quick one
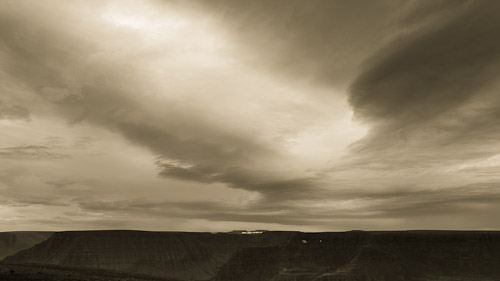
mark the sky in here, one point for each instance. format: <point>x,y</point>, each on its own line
<point>192,115</point>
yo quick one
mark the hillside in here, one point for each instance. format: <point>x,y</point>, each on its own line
<point>277,256</point>
<point>371,256</point>
<point>13,242</point>
<point>184,256</point>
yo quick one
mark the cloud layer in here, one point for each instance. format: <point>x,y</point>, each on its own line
<point>248,114</point>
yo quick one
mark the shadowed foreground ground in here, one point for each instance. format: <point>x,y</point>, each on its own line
<point>33,272</point>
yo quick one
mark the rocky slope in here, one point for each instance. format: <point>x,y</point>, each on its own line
<point>13,242</point>
<point>186,256</point>
<point>370,256</point>
<point>277,256</point>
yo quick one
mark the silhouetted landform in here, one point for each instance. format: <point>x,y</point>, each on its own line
<point>186,256</point>
<point>276,256</point>
<point>13,242</point>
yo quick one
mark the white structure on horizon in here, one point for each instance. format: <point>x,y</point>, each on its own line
<point>252,232</point>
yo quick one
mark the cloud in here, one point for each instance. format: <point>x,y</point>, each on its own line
<point>61,183</point>
<point>272,184</point>
<point>214,211</point>
<point>378,210</point>
<point>435,85</point>
<point>13,112</point>
<point>320,41</point>
<point>84,142</point>
<point>237,112</point>
<point>33,152</point>
<point>74,74</point>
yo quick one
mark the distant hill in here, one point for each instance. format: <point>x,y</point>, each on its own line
<point>186,256</point>
<point>277,256</point>
<point>13,242</point>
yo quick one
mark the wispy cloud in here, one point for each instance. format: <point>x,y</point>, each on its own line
<point>13,112</point>
<point>30,152</point>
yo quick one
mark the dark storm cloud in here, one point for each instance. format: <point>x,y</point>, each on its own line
<point>419,85</point>
<point>320,40</point>
<point>269,183</point>
<point>211,150</point>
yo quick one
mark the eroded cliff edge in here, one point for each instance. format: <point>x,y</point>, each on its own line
<point>13,242</point>
<point>277,256</point>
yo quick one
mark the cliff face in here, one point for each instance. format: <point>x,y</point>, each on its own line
<point>306,256</point>
<point>371,256</point>
<point>13,242</point>
<point>277,256</point>
<point>186,256</point>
